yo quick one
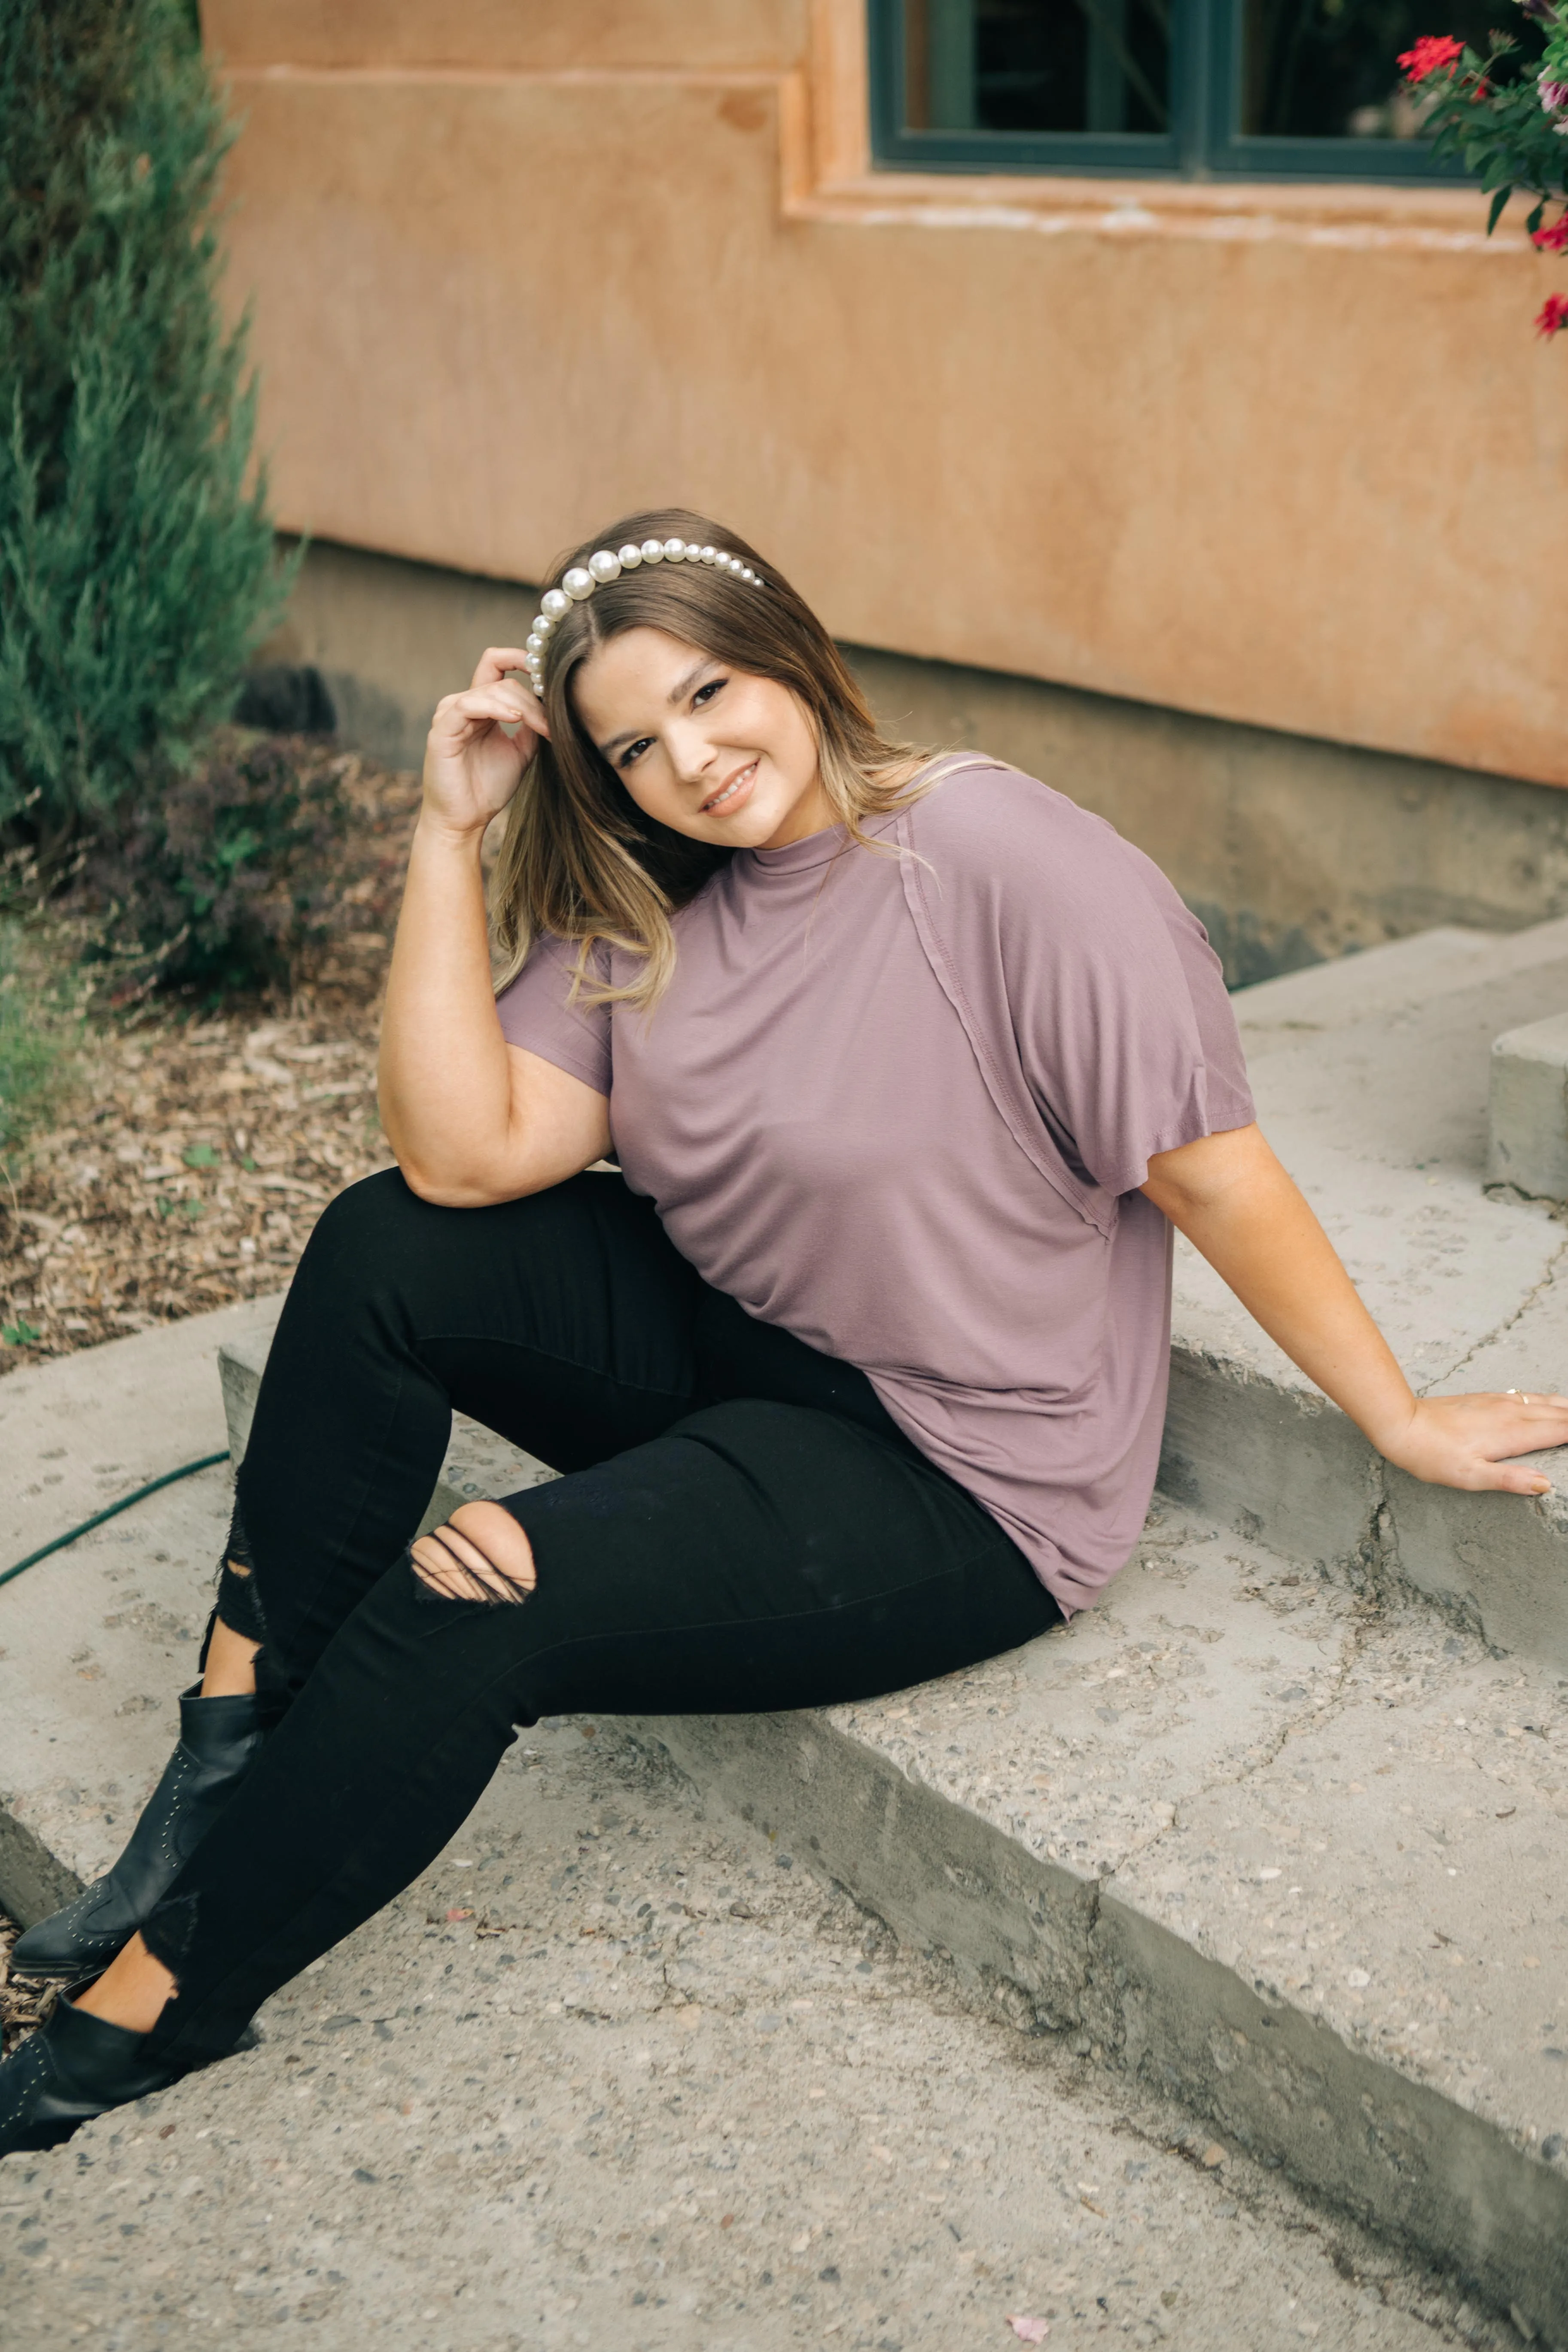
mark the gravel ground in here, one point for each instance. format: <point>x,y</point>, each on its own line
<point>194,1150</point>
<point>617,2073</point>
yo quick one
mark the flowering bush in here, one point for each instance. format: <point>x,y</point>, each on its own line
<point>1511,131</point>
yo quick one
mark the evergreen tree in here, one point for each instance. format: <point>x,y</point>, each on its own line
<point>137,571</point>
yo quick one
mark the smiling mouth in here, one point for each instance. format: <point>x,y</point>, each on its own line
<point>728,792</point>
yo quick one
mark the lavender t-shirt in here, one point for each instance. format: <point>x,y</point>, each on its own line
<point>899,1103</point>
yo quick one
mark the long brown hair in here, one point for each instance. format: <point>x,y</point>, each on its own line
<point>579,858</point>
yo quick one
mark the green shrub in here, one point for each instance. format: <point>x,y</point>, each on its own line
<point>228,881</point>
<point>137,571</point>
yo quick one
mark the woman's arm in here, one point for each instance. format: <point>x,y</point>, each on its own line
<point>1237,1205</point>
<point>472,1119</point>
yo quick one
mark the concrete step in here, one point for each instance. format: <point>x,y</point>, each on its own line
<point>1283,1850</point>
<point>1288,1851</point>
<point>1289,1854</point>
<point>1371,1078</point>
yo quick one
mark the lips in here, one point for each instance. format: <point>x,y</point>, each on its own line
<point>729,793</point>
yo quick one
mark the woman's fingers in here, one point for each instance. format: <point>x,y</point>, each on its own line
<point>494,665</point>
<point>504,705</point>
<point>495,661</point>
<point>1475,1441</point>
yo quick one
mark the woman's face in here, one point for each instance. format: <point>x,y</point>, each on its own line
<point>703,747</point>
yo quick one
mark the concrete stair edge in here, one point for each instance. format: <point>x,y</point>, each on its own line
<point>1056,1952</point>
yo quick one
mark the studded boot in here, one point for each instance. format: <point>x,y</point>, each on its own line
<point>219,1741</point>
<point>74,2067</point>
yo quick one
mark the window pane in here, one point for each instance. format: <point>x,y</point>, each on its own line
<point>1327,69</point>
<point>1036,65</point>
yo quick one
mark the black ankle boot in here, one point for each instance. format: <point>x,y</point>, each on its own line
<point>219,1741</point>
<point>73,2068</point>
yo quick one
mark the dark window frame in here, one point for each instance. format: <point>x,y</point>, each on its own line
<point>1205,82</point>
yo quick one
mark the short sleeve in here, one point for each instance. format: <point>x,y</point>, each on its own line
<point>536,1013</point>
<point>1074,950</point>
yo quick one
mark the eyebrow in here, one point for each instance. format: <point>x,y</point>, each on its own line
<point>678,693</point>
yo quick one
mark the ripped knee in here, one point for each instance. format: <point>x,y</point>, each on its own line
<point>481,1553</point>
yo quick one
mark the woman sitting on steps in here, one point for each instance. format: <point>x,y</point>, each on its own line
<point>856,1370</point>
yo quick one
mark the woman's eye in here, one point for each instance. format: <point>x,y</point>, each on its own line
<point>634,752</point>
<point>702,693</point>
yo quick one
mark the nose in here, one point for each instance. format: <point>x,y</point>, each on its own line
<point>691,755</point>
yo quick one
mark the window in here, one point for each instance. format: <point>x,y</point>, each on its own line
<point>1299,88</point>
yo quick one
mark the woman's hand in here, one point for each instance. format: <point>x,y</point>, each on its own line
<point>1234,1202</point>
<point>472,767</point>
<point>1466,1440</point>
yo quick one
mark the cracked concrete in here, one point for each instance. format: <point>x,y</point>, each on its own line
<point>1372,1080</point>
<point>1291,1854</point>
<point>614,2073</point>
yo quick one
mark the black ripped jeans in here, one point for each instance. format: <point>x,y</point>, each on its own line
<point>741,1527</point>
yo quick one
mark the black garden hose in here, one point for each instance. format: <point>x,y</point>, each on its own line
<point>169,1478</point>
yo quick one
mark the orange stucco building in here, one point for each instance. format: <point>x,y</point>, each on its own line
<point>1251,493</point>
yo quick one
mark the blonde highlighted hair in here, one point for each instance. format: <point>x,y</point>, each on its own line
<point>579,859</point>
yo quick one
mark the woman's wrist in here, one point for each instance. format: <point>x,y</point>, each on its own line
<point>436,831</point>
<point>1389,1428</point>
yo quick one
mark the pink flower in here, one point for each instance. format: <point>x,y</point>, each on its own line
<point>1432,53</point>
<point>1554,315</point>
<point>1553,95</point>
<point>1554,239</point>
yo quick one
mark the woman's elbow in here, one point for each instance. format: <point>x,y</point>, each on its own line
<point>445,1188</point>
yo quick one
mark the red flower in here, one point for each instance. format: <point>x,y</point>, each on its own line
<point>1432,53</point>
<point>1554,316</point>
<point>1554,239</point>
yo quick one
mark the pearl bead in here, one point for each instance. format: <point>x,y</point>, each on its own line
<point>535,644</point>
<point>578,583</point>
<point>631,556</point>
<point>652,550</point>
<point>707,555</point>
<point>604,566</point>
<point>542,625</point>
<point>675,550</point>
<point>555,604</point>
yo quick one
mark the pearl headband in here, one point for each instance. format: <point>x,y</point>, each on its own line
<point>578,584</point>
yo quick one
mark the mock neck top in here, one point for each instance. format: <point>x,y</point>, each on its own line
<point>898,1099</point>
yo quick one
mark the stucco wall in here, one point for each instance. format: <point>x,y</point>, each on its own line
<point>1288,456</point>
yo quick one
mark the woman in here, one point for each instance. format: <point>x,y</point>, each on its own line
<point>857,1369</point>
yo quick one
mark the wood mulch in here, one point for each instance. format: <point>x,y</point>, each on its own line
<point>22,1999</point>
<point>194,1149</point>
